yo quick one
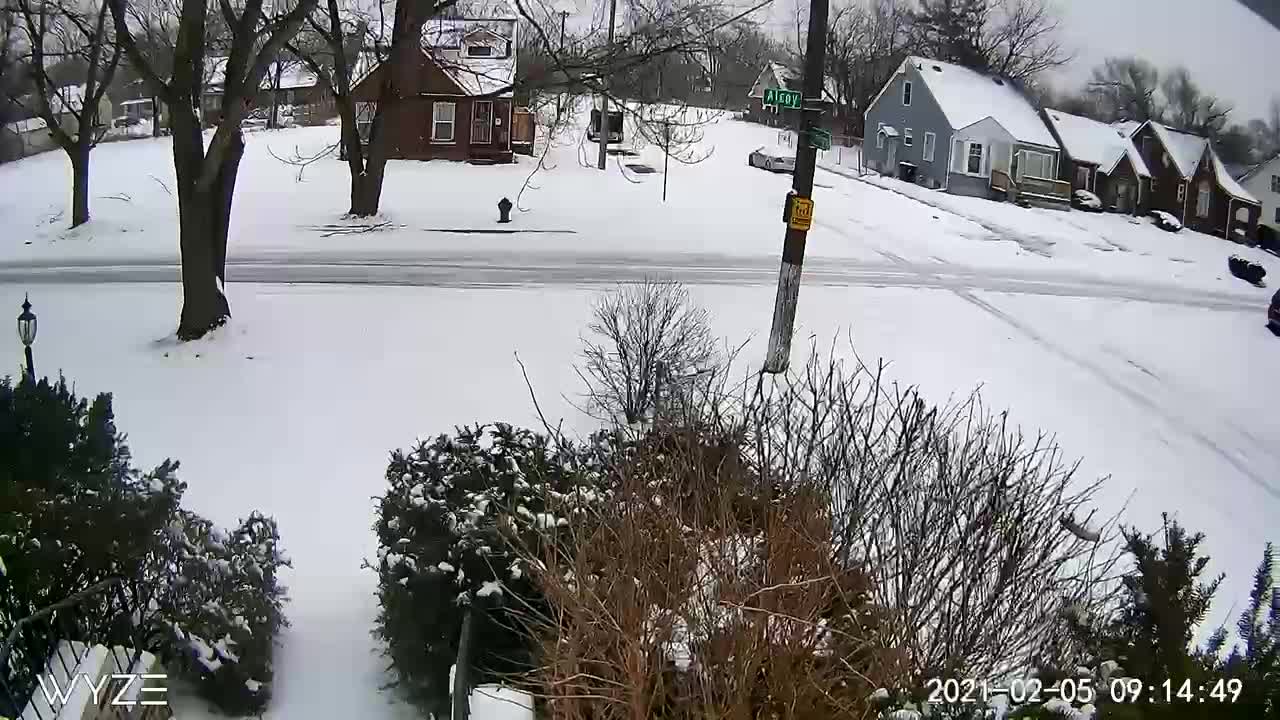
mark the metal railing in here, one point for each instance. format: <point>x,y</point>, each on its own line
<point>49,645</point>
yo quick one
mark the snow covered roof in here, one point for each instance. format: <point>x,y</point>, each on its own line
<point>26,126</point>
<point>967,97</point>
<point>446,40</point>
<point>1095,143</point>
<point>292,75</point>
<point>1228,183</point>
<point>888,131</point>
<point>1258,168</point>
<point>789,78</point>
<point>1184,148</point>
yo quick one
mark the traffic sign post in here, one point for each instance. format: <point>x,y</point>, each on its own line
<point>783,98</point>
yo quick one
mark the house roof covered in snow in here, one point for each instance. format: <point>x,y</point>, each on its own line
<point>447,41</point>
<point>292,75</point>
<point>967,97</point>
<point>1228,183</point>
<point>25,126</point>
<point>1273,161</point>
<point>776,74</point>
<point>1095,143</point>
<point>1186,151</point>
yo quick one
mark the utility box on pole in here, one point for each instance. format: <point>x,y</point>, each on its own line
<point>798,211</point>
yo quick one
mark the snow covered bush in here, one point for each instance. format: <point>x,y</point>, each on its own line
<point>1165,221</point>
<point>702,590</point>
<point>76,512</point>
<point>977,535</point>
<point>451,587</point>
<point>1085,200</point>
<point>643,338</point>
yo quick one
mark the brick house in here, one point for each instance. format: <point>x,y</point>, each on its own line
<point>1189,181</point>
<point>456,98</point>
<point>1100,158</point>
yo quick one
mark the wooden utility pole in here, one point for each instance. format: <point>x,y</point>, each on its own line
<point>604,95</point>
<point>798,212</point>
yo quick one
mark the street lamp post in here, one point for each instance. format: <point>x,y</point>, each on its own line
<point>27,334</point>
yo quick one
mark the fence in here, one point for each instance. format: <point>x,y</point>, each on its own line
<point>845,152</point>
<point>52,645</point>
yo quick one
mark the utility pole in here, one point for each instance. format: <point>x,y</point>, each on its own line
<point>798,211</point>
<point>604,95</point>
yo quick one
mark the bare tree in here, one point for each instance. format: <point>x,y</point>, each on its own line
<point>642,335</point>
<point>1266,132</point>
<point>1189,108</point>
<point>1127,88</point>
<point>866,42</point>
<point>206,175</point>
<point>59,32</point>
<point>1017,39</point>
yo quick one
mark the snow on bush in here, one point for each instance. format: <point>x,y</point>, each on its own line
<point>77,512</point>
<point>1087,200</point>
<point>455,508</point>
<point>1165,221</point>
<point>701,591</point>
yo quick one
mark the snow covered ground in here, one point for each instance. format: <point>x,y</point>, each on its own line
<point>718,207</point>
<point>1135,346</point>
<point>300,399</point>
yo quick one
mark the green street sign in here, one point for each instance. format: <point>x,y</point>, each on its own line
<point>820,138</point>
<point>782,98</point>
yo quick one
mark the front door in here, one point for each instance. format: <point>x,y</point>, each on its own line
<point>891,159</point>
<point>1123,191</point>
<point>482,122</point>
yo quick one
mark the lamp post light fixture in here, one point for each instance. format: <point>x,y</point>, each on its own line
<point>27,334</point>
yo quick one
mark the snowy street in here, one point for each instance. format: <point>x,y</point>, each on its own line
<point>1134,347</point>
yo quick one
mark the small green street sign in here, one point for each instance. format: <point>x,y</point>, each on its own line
<point>782,98</point>
<point>820,138</point>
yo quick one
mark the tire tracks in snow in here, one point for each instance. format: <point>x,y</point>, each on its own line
<point>1173,419</point>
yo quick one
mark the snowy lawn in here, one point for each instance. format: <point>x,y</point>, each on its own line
<point>719,206</point>
<point>294,406</point>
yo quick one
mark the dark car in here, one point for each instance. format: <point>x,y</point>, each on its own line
<point>1273,312</point>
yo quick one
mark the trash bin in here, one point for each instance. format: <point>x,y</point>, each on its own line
<point>906,172</point>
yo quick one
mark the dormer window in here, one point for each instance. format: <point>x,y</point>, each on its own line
<point>479,51</point>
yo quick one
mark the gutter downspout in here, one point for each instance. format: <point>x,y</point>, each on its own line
<point>1227,232</point>
<point>951,148</point>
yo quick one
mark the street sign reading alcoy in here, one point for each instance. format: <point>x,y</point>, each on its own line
<point>782,98</point>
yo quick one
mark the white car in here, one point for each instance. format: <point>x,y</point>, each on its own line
<point>775,158</point>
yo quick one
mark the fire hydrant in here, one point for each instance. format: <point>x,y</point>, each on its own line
<point>504,210</point>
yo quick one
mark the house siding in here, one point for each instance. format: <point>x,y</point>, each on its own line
<point>1222,207</point>
<point>1259,185</point>
<point>1108,184</point>
<point>923,115</point>
<point>1162,193</point>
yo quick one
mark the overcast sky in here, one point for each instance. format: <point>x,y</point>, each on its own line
<point>1228,49</point>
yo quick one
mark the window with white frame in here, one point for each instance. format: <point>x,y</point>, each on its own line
<point>1202,200</point>
<point>1037,164</point>
<point>879,136</point>
<point>975,153</point>
<point>442,121</point>
<point>1182,191</point>
<point>364,119</point>
<point>906,93</point>
<point>907,139</point>
<point>1275,183</point>
<point>930,142</point>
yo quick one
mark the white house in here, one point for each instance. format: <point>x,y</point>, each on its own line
<point>1263,182</point>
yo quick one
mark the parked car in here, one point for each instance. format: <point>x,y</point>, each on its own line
<point>1273,312</point>
<point>125,122</point>
<point>1165,221</point>
<point>773,158</point>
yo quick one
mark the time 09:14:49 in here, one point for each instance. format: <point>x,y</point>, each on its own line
<point>1073,690</point>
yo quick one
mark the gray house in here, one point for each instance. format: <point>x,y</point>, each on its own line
<point>946,126</point>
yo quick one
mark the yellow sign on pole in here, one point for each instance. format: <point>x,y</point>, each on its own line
<point>801,214</point>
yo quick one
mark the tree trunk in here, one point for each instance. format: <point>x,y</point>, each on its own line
<point>362,203</point>
<point>366,197</point>
<point>204,307</point>
<point>462,670</point>
<point>224,188</point>
<point>155,116</point>
<point>79,183</point>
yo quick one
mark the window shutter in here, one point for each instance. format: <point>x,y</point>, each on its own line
<point>957,156</point>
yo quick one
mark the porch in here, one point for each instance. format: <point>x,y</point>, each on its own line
<point>1031,190</point>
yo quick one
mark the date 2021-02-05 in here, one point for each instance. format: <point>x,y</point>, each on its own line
<point>1117,690</point>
